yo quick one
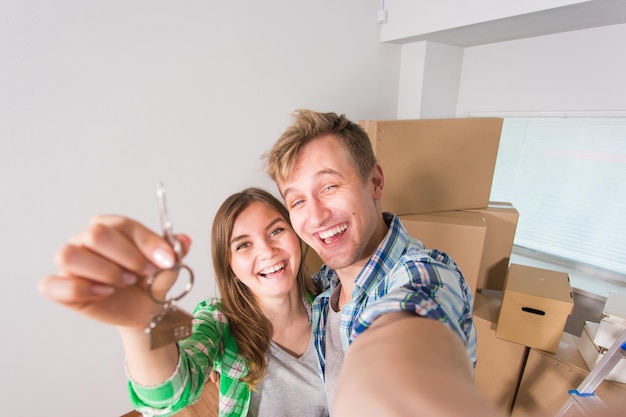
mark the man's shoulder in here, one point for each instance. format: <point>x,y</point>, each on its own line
<point>418,264</point>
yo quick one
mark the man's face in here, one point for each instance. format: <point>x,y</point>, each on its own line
<point>331,208</point>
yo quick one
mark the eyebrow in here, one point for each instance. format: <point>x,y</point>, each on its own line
<point>269,226</point>
<point>320,173</point>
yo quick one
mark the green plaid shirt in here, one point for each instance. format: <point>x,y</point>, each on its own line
<point>211,346</point>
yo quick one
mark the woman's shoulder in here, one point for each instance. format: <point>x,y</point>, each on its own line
<point>211,308</point>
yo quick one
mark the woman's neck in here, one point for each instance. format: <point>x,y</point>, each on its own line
<point>291,328</point>
<point>283,311</point>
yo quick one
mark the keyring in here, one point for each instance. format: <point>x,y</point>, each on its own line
<point>168,234</point>
<point>175,268</point>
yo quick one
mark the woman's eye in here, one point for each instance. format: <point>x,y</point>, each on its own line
<point>242,246</point>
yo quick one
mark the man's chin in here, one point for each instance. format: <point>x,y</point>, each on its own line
<point>336,262</point>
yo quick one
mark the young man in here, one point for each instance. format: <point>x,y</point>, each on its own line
<point>404,311</point>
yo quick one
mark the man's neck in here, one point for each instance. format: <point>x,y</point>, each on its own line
<point>345,295</point>
<point>347,277</point>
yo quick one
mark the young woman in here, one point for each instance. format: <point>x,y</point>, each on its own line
<point>257,337</point>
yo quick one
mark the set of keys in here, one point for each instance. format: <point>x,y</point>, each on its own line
<point>171,324</point>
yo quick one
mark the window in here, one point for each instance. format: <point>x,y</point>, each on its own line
<point>567,178</point>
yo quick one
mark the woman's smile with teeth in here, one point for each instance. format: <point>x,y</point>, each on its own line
<point>279,267</point>
<point>328,234</point>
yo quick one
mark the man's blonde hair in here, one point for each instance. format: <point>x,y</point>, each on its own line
<point>309,125</point>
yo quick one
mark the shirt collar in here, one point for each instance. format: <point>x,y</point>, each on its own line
<point>380,263</point>
<point>386,255</point>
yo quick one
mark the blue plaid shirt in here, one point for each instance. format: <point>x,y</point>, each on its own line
<point>401,275</point>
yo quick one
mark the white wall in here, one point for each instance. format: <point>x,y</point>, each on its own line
<point>99,100</point>
<point>430,74</point>
<point>573,71</point>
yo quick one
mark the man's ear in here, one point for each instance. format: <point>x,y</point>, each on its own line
<point>378,181</point>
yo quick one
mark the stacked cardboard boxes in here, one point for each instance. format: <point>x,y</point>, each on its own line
<point>438,177</point>
<point>592,353</point>
<point>434,165</point>
<point>613,321</point>
<point>461,234</point>
<point>499,362</point>
<point>597,338</point>
<point>535,307</point>
<point>547,379</point>
<point>530,381</point>
<point>501,219</point>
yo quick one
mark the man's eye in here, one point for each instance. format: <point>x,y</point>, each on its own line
<point>330,187</point>
<point>277,231</point>
<point>296,203</point>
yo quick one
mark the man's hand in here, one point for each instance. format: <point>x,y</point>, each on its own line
<point>405,365</point>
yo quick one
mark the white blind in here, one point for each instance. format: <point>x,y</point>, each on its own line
<point>567,178</point>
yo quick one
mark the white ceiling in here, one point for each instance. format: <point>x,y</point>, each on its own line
<point>563,19</point>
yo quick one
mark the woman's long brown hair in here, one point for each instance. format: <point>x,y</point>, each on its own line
<point>251,330</point>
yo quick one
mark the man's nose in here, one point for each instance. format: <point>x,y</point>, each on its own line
<point>317,212</point>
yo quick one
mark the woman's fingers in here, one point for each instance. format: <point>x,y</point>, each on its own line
<point>214,377</point>
<point>99,267</point>
<point>128,307</point>
<point>152,246</point>
<point>73,290</point>
<point>79,261</point>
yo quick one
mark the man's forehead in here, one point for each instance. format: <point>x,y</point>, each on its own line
<point>297,183</point>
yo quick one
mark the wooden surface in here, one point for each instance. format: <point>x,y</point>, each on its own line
<point>206,406</point>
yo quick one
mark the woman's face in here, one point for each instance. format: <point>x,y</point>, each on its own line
<point>265,252</point>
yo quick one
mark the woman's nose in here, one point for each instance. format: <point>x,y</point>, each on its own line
<point>266,248</point>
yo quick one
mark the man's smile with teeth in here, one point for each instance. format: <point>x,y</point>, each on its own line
<point>327,234</point>
<point>273,269</point>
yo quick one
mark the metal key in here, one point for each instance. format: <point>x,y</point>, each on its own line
<point>171,324</point>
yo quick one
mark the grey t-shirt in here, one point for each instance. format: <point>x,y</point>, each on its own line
<point>291,387</point>
<point>334,349</point>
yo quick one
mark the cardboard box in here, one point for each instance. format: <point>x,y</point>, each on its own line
<point>501,221</point>
<point>499,362</point>
<point>613,320</point>
<point>435,164</point>
<point>592,354</point>
<point>535,307</point>
<point>547,379</point>
<point>460,234</point>
<point>311,259</point>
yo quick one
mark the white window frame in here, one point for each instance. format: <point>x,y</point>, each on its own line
<point>586,278</point>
